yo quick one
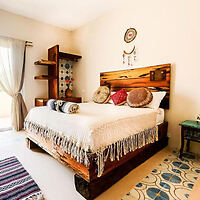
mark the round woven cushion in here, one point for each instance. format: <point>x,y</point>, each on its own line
<point>139,97</point>
<point>102,95</point>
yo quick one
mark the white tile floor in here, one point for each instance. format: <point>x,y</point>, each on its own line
<point>56,181</point>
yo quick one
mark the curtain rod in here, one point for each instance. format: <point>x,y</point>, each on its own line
<point>29,43</point>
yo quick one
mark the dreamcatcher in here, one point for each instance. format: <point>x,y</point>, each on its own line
<point>129,56</point>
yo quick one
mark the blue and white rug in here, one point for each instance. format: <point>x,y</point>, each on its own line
<point>173,179</point>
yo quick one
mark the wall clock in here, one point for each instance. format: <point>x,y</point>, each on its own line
<point>130,35</point>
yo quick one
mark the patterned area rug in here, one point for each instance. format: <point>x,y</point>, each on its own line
<point>16,183</point>
<point>173,179</point>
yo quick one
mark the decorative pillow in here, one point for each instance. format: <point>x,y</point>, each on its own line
<point>119,98</point>
<point>70,107</point>
<point>139,97</point>
<point>157,98</point>
<point>62,106</point>
<point>66,107</point>
<point>111,101</point>
<point>51,104</point>
<point>102,95</point>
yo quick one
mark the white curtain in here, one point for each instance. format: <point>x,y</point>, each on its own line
<point>12,58</point>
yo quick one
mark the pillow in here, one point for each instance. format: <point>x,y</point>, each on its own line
<point>139,97</point>
<point>66,107</point>
<point>51,104</point>
<point>157,98</point>
<point>119,97</point>
<point>110,101</point>
<point>62,106</point>
<point>102,95</point>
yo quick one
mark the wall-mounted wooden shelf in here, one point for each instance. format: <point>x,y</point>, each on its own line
<point>54,56</point>
<point>69,56</point>
<point>45,62</point>
<point>45,77</point>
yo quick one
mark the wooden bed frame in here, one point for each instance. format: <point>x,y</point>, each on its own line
<point>86,181</point>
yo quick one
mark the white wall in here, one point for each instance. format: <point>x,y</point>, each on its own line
<point>168,32</point>
<point>43,36</point>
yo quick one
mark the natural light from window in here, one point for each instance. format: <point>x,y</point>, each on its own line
<point>5,100</point>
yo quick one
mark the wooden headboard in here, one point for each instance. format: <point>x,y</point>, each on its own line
<point>156,78</point>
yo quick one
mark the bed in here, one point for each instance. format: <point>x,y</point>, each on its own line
<point>104,142</point>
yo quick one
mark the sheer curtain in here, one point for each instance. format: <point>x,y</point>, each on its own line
<point>12,66</point>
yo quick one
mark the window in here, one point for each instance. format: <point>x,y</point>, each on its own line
<point>5,99</point>
<point>5,60</point>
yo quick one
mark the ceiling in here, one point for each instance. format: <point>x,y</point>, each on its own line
<point>68,14</point>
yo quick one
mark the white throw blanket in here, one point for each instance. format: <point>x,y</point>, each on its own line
<point>95,128</point>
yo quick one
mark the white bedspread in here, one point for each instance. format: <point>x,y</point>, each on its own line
<point>96,125</point>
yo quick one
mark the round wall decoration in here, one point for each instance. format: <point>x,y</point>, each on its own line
<point>130,35</point>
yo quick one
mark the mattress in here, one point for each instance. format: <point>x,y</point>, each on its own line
<point>160,116</point>
<point>96,125</point>
<point>95,128</point>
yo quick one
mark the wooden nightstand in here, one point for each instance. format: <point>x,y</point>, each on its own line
<point>190,131</point>
<point>43,101</point>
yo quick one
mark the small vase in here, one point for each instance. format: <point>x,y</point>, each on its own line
<point>68,93</point>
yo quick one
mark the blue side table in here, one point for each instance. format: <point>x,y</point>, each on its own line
<point>190,131</point>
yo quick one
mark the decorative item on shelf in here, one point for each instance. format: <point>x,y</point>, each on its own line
<point>45,62</point>
<point>65,78</point>
<point>198,119</point>
<point>129,36</point>
<point>68,91</point>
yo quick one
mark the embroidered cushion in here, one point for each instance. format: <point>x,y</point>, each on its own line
<point>119,97</point>
<point>102,95</point>
<point>139,97</point>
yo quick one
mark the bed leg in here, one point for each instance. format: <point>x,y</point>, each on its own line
<point>89,190</point>
<point>30,144</point>
<point>83,187</point>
